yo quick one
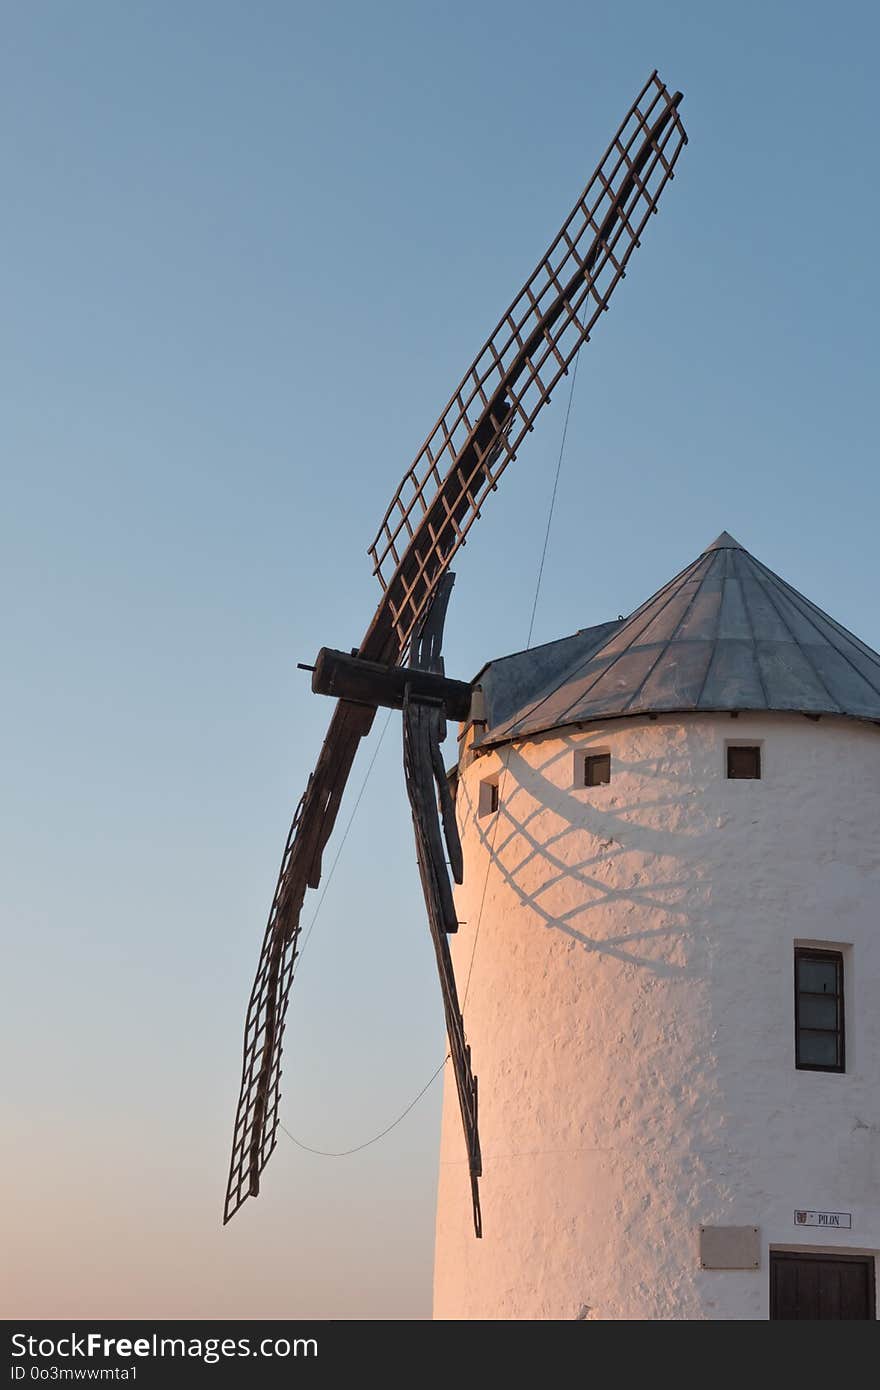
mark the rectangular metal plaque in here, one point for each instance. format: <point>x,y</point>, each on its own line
<point>730,1247</point>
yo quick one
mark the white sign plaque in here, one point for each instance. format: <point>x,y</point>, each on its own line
<point>834,1220</point>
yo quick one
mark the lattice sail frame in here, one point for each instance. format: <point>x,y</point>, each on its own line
<point>257,1116</point>
<point>428,519</point>
<point>256,1124</point>
<point>530,350</point>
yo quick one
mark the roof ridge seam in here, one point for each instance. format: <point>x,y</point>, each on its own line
<point>671,638</point>
<point>826,617</point>
<point>715,640</point>
<point>582,661</point>
<point>790,589</point>
<point>682,577</point>
<point>768,589</point>
<point>751,622</point>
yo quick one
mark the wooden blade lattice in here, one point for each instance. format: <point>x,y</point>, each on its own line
<point>532,347</point>
<point>256,1124</point>
<point>256,1120</point>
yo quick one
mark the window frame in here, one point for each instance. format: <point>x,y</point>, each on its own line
<point>600,755</point>
<point>739,745</point>
<point>821,954</point>
<point>489,796</point>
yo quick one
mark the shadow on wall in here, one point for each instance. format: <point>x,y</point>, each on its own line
<point>539,870</point>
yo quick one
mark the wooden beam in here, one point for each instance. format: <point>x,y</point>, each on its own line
<point>352,678</point>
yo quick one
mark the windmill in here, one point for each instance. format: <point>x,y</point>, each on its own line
<point>398,663</point>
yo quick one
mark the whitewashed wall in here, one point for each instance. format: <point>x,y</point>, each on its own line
<point>630,1011</point>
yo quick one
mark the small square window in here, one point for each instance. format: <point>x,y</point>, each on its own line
<point>488,797</point>
<point>743,762</point>
<point>597,769</point>
<point>818,1010</point>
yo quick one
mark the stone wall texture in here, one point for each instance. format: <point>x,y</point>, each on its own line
<point>627,959</point>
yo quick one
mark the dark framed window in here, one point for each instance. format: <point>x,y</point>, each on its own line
<point>488,803</point>
<point>597,769</point>
<point>743,762</point>
<point>818,1010</point>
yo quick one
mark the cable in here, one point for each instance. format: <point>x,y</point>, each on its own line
<point>528,645</point>
<point>489,859</point>
<point>344,1153</point>
<point>357,803</point>
<point>552,501</point>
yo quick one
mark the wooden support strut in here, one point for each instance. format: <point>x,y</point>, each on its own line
<point>420,729</point>
<point>423,730</point>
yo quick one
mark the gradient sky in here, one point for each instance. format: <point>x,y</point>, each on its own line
<point>247,251</point>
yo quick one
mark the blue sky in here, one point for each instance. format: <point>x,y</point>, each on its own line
<point>248,250</point>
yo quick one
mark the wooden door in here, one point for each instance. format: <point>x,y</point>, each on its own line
<point>821,1286</point>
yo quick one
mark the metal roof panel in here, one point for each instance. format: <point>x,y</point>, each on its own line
<point>725,634</point>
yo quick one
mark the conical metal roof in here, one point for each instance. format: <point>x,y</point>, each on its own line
<point>724,634</point>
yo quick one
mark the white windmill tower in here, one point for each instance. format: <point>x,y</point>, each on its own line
<point>671,943</point>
